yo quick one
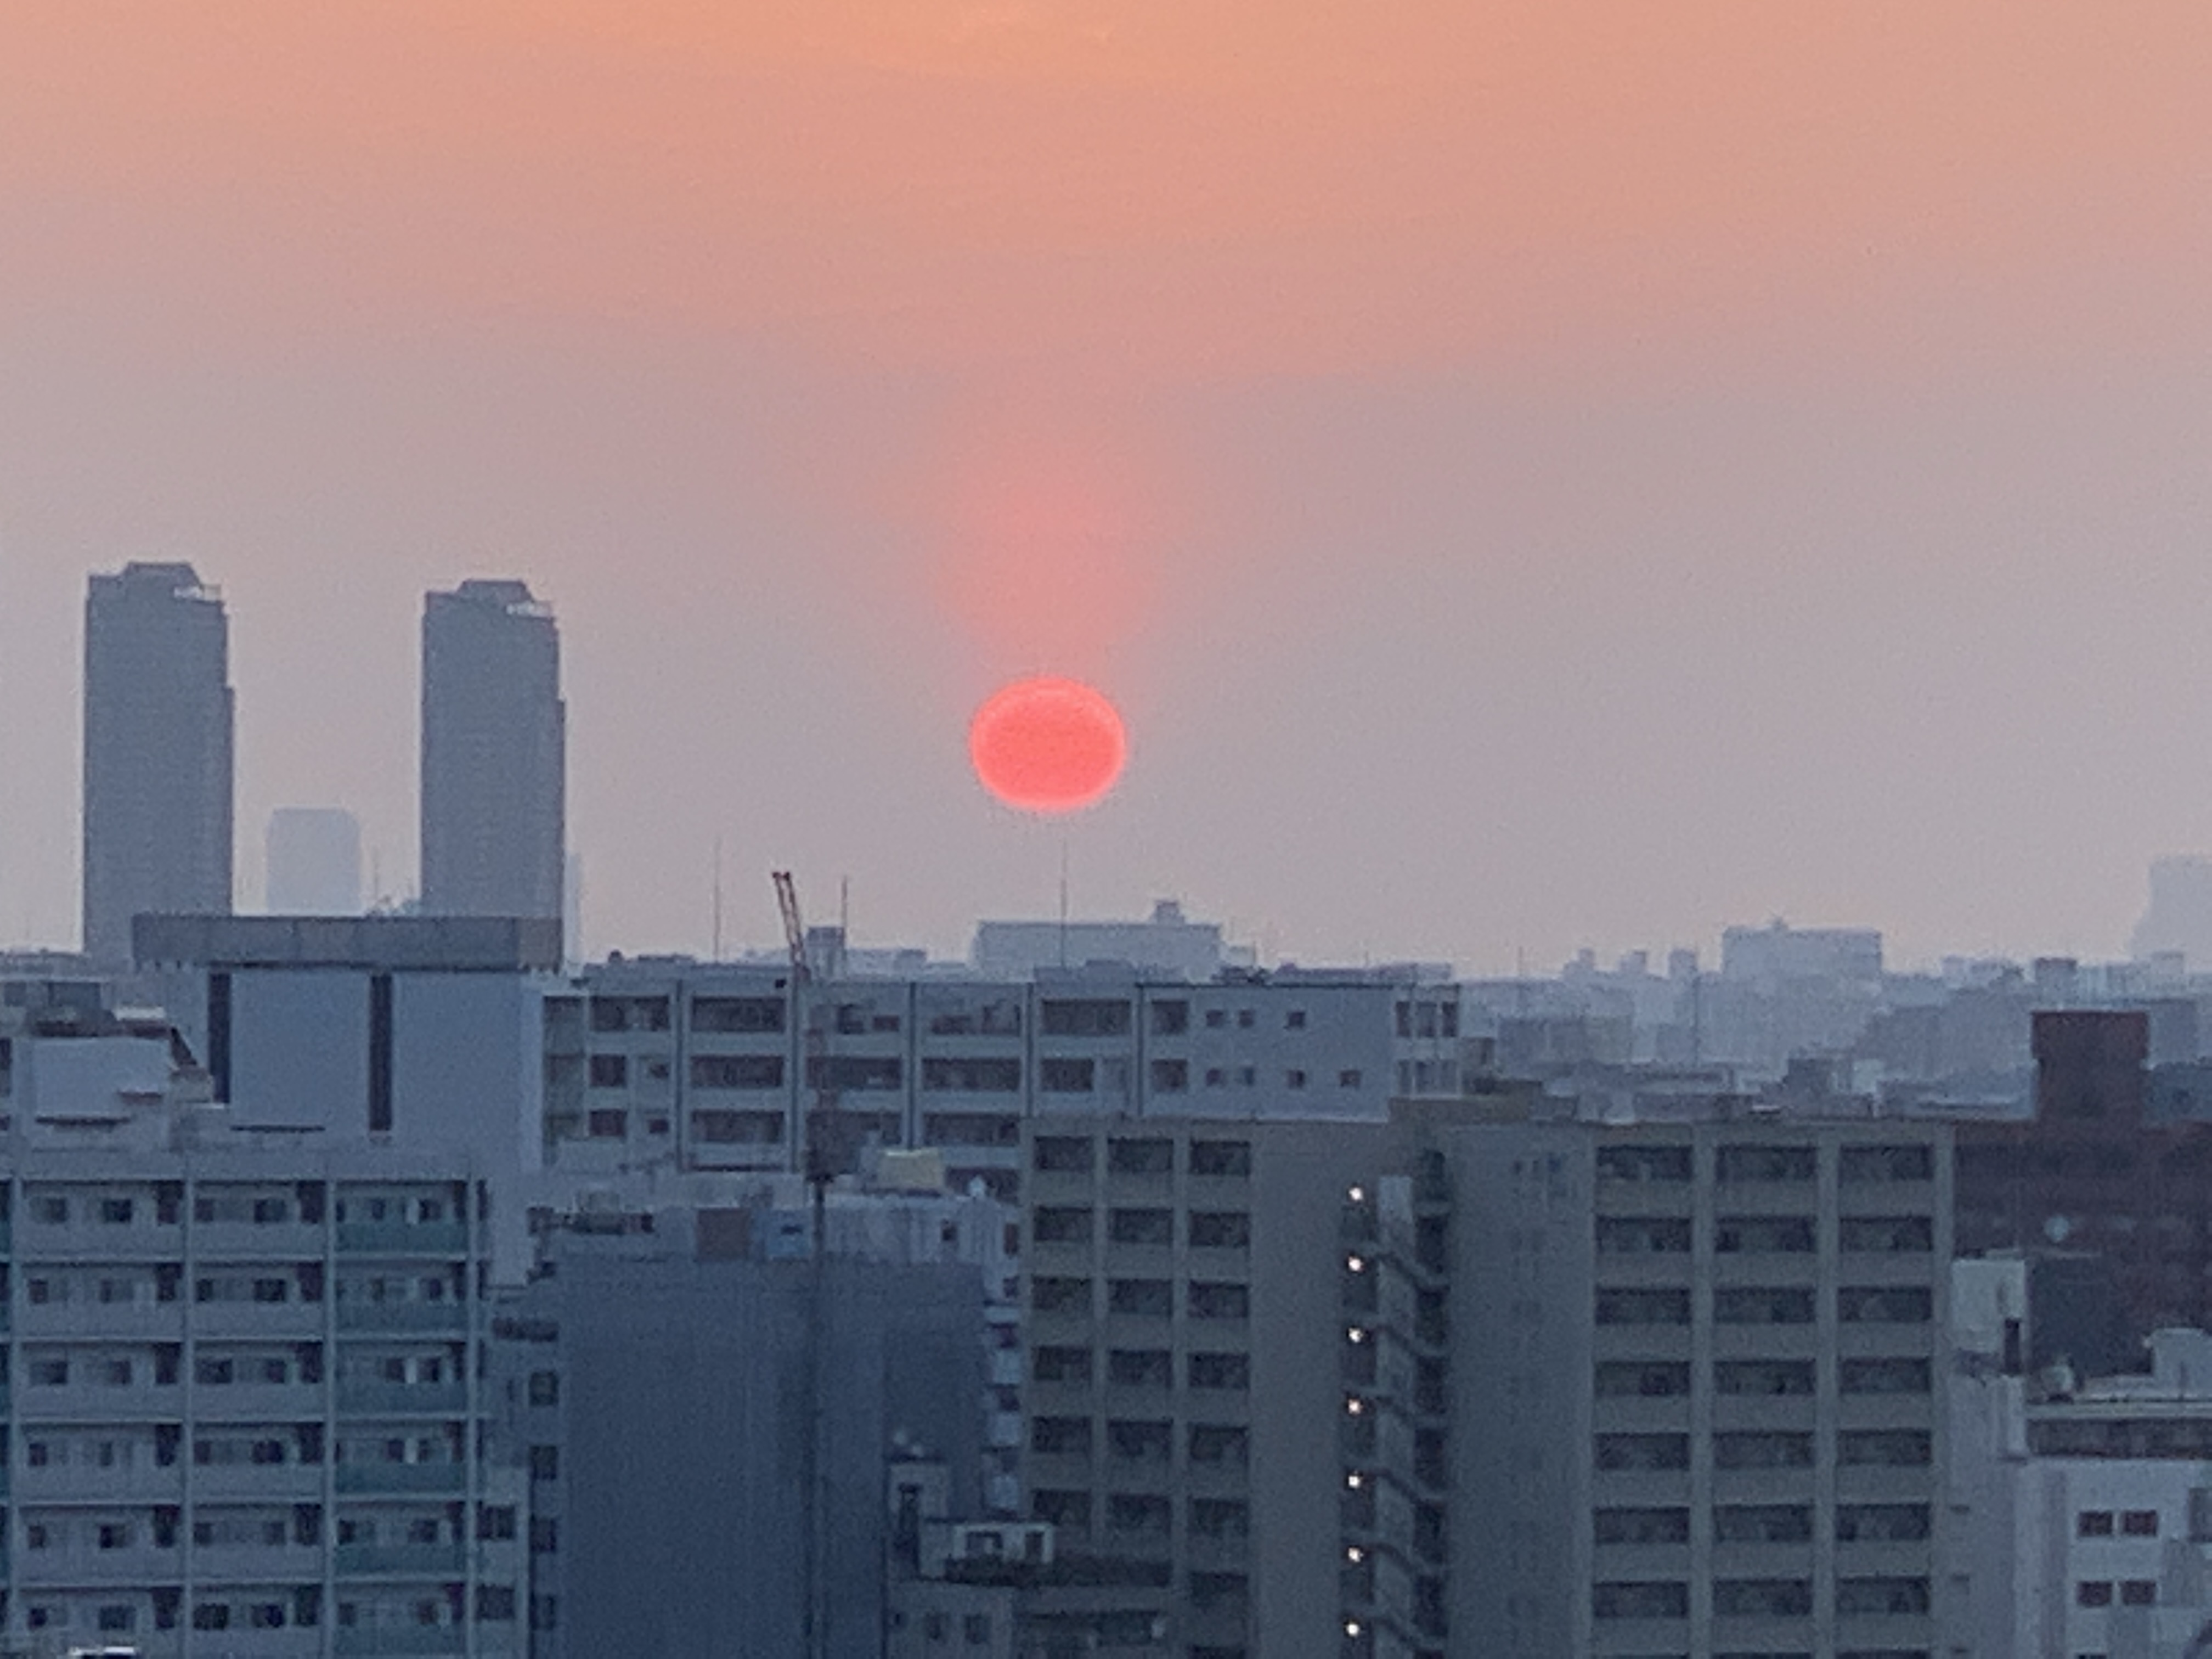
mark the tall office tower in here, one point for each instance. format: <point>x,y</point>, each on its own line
<point>494,746</point>
<point>314,862</point>
<point>157,751</point>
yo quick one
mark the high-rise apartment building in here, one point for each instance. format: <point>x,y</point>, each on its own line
<point>245,1411</point>
<point>157,752</point>
<point>493,754</point>
<point>1662,1388</point>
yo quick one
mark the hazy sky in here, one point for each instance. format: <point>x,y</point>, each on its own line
<point>1534,474</point>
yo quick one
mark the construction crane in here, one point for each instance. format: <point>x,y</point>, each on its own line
<point>814,1602</point>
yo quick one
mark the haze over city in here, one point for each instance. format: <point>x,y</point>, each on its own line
<point>1531,476</point>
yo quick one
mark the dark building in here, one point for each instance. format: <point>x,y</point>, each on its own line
<point>157,752</point>
<point>2094,1174</point>
<point>493,754</point>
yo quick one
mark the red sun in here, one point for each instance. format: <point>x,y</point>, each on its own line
<point>1047,744</point>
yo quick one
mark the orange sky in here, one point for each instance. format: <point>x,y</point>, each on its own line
<point>1217,184</point>
<point>1647,465</point>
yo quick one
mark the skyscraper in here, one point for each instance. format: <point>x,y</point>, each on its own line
<point>494,747</point>
<point>157,751</point>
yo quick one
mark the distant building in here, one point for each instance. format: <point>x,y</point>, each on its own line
<point>157,752</point>
<point>1167,946</point>
<point>493,754</point>
<point>313,862</point>
<point>2178,921</point>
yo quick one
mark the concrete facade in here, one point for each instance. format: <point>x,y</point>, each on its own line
<point>158,715</point>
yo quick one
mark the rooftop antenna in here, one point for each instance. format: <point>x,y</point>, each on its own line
<point>1063,900</point>
<point>718,899</point>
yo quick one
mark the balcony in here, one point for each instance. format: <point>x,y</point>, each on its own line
<point>244,1240</point>
<point>359,1478</point>
<point>272,1321</point>
<point>257,1482</point>
<point>257,1402</point>
<point>423,1239</point>
<point>371,1398</point>
<point>101,1321</point>
<point>399,1638</point>
<point>256,1563</point>
<point>90,1567</point>
<point>74,1484</point>
<point>400,1560</point>
<point>452,1317</point>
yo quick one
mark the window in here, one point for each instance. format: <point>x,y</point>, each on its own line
<point>115,1211</point>
<point>2140,1524</point>
<point>1060,1365</point>
<point>1642,1307</point>
<point>545,1388</point>
<point>1060,1075</point>
<point>736,1071</point>
<point>1220,1230</point>
<point>545,1462</point>
<point>1642,1452</point>
<point>1142,1226</point>
<point>1216,1299</point>
<point>1294,1078</point>
<point>1885,1448</point>
<point>1643,1162</point>
<point>1864,1166</point>
<point>1083,1018</point>
<point>608,1125</point>
<point>1763,1235</point>
<point>1885,1304</point>
<point>1888,1235</point>
<point>1884,1377</point>
<point>1763,1523</point>
<point>1773,1451</point>
<point>1060,1436</point>
<point>1059,1295</point>
<point>1764,1163</point>
<point>855,1073</point>
<point>1221,1371</point>
<point>1637,1599</point>
<point>1642,1235</point>
<point>1642,1379</point>
<point>1170,1077</point>
<point>2093,1593</point>
<point>1763,1376</point>
<point>1143,1514</point>
<point>1762,1598</point>
<point>1246,1019</point>
<point>1148,1298</point>
<point>2139,1592</point>
<point>50,1212</point>
<point>1221,1158</point>
<point>1881,1523</point>
<point>1171,1018</point>
<point>1061,1155</point>
<point>1647,1526</point>
<point>1882,1596</point>
<point>1147,1157</point>
<point>1762,1306</point>
<point>1218,1444</point>
<point>50,1373</point>
<point>1220,1517</point>
<point>495,1522</point>
<point>1140,1442</point>
<point>1061,1223</point>
<point>1062,1509</point>
<point>1216,1019</point>
<point>975,1629</point>
<point>1348,1080</point>
<point>609,1071</point>
<point>1140,1367</point>
<point>753,1015</point>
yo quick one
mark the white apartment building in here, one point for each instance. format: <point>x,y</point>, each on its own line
<point>719,1067</point>
<point>242,1397</point>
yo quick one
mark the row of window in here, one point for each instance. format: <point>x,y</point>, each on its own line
<point>1664,1379</point>
<point>1855,1304</point>
<point>1764,1523</point>
<point>2128,1592</point>
<point>1141,1156</point>
<point>1142,1368</point>
<point>1207,1230</point>
<point>1789,1235</point>
<point>263,1209</point>
<point>1856,1165</point>
<point>1766,1449</point>
<point>1150,1298</point>
<point>2131,1523</point>
<point>1758,1598</point>
<point>1056,1017</point>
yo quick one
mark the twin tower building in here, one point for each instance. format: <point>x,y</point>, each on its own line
<point>158,753</point>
